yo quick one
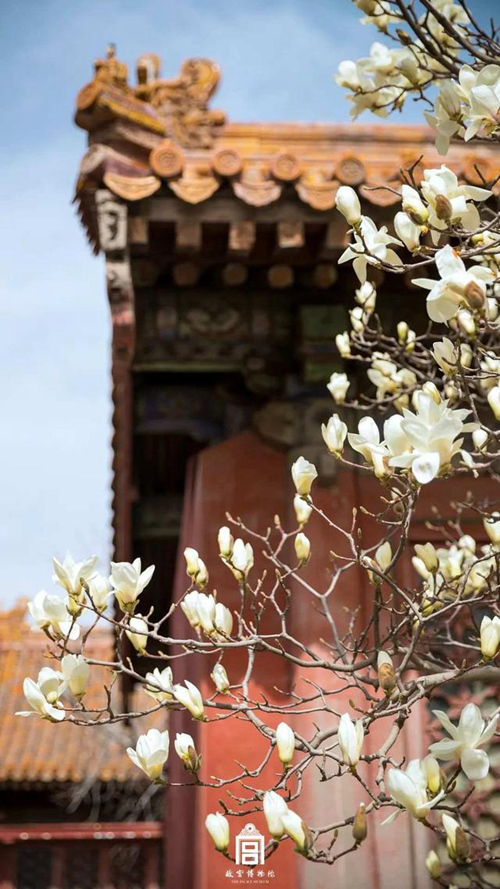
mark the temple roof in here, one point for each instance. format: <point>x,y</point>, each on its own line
<point>162,136</point>
<point>34,751</point>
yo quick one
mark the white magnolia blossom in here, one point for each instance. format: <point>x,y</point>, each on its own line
<point>223,621</point>
<point>450,202</point>
<point>137,633</point>
<point>159,685</point>
<point>285,743</point>
<point>494,401</point>
<point>366,297</point>
<point>407,231</point>
<point>76,673</point>
<point>274,807</point>
<point>413,206</point>
<point>218,828</point>
<point>490,636</point>
<point>447,119</point>
<point>471,733</point>
<point>151,753</point>
<point>69,573</point>
<point>242,559</point>
<point>50,612</point>
<point>457,286</point>
<point>186,751</point>
<point>226,542</point>
<point>128,582</point>
<point>338,386</point>
<point>454,836</point>
<point>51,683</point>
<point>350,736</point>
<point>303,475</point>
<point>190,697</point>
<point>343,344</point>
<point>302,546</point>
<point>302,509</point>
<point>370,247</point>
<point>334,434</point>
<point>195,567</point>
<point>347,203</point>
<point>409,789</point>
<point>296,829</point>
<point>220,678</point>
<point>37,700</point>
<point>99,591</point>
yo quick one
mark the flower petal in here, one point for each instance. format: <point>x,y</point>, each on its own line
<point>475,764</point>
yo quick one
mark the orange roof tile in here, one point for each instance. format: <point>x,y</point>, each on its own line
<point>33,750</point>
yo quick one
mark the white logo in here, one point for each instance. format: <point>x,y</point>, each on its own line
<point>250,846</point>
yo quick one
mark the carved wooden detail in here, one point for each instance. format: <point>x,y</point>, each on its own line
<point>241,237</point>
<point>290,235</point>
<point>188,235</point>
<point>112,222</point>
<point>255,189</point>
<point>317,192</point>
<point>166,160</point>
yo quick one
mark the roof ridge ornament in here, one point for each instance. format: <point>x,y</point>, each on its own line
<point>183,100</point>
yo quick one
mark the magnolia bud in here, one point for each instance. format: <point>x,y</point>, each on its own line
<point>225,541</point>
<point>480,437</point>
<point>285,743</point>
<point>413,205</point>
<point>432,774</point>
<point>359,829</point>
<point>433,865</point>
<point>490,637</point>
<point>302,548</point>
<point>457,843</point>
<point>347,203</point>
<point>220,678</point>
<point>494,401</point>
<point>428,555</point>
<point>386,672</point>
<point>303,475</point>
<point>302,509</point>
<point>403,330</point>
<point>218,828</point>
<point>474,295</point>
<point>343,343</point>
<point>444,209</point>
<point>431,389</point>
<point>407,231</point>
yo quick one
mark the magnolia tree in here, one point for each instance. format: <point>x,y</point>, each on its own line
<point>435,397</point>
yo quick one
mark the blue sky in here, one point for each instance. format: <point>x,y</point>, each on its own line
<point>278,59</point>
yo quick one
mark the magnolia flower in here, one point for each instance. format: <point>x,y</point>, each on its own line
<point>432,433</point>
<point>195,567</point>
<point>69,573</point>
<point>367,443</point>
<point>413,206</point>
<point>242,559</point>
<point>218,828</point>
<point>343,344</point>
<point>302,510</point>
<point>225,541</point>
<point>334,434</point>
<point>302,548</point>
<point>370,247</point>
<point>494,401</point>
<point>190,698</point>
<point>409,788</point>
<point>76,673</point>
<point>297,830</point>
<point>137,633</point>
<point>274,808</point>
<point>37,700</point>
<point>383,556</point>
<point>220,678</point>
<point>457,843</point>
<point>456,286</point>
<point>303,475</point>
<point>347,203</point>
<point>366,296</point>
<point>432,774</point>
<point>490,636</point>
<point>447,117</point>
<point>151,753</point>
<point>285,743</point>
<point>407,231</point>
<point>428,555</point>
<point>99,591</point>
<point>449,201</point>
<point>338,387</point>
<point>433,865</point>
<point>205,607</point>
<point>186,751</point>
<point>159,684</point>
<point>51,683</point>
<point>223,620</point>
<point>492,528</point>
<point>350,737</point>
<point>128,582</point>
<point>470,734</point>
<point>480,438</point>
<point>49,611</point>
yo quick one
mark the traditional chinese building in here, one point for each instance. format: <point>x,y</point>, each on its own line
<point>221,243</point>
